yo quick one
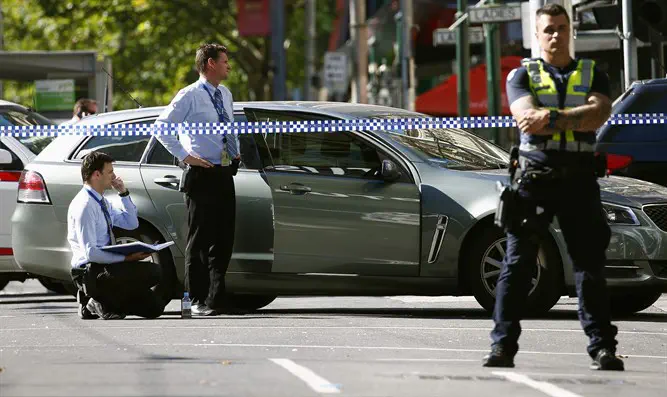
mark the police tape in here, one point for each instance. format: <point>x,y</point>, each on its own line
<point>245,127</point>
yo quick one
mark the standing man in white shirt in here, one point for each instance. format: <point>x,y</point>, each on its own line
<point>115,285</point>
<point>211,163</point>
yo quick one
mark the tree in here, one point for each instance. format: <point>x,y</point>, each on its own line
<point>152,43</point>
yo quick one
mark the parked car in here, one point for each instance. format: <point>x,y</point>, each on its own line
<point>15,153</point>
<point>342,213</point>
<point>638,150</point>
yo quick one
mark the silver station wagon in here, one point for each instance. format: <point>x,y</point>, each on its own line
<point>342,213</point>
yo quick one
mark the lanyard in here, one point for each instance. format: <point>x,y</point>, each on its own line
<point>218,111</point>
<point>107,216</point>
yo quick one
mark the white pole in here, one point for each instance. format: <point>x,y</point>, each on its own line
<point>629,46</point>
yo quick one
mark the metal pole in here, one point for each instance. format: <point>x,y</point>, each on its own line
<point>362,52</point>
<point>629,47</point>
<point>462,62</point>
<point>278,50</point>
<point>492,45</point>
<point>310,49</point>
<point>407,61</point>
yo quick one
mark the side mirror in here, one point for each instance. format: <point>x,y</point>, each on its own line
<point>5,157</point>
<point>389,171</point>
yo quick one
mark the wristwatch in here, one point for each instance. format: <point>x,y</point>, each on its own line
<point>553,116</point>
<point>127,193</point>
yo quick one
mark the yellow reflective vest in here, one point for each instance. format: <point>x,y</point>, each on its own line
<point>543,87</point>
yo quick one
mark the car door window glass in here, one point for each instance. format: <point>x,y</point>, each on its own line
<point>16,164</point>
<point>120,148</point>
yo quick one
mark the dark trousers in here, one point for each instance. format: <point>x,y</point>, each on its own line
<point>574,198</point>
<point>211,202</point>
<point>128,288</point>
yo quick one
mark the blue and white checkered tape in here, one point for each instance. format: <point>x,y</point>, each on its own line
<point>271,127</point>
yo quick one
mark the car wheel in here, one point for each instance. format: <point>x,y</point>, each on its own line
<point>53,285</point>
<point>3,282</point>
<point>147,235</point>
<point>485,263</point>
<point>623,304</point>
<point>250,302</point>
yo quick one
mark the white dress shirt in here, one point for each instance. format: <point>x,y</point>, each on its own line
<point>193,104</point>
<point>87,229</point>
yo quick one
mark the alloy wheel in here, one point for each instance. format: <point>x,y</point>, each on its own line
<point>492,263</point>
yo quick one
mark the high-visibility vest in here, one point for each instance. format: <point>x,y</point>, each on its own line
<point>544,89</point>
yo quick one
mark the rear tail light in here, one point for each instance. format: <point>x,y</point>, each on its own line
<point>10,176</point>
<point>617,161</point>
<point>32,188</point>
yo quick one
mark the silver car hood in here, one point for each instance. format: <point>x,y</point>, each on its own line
<point>614,189</point>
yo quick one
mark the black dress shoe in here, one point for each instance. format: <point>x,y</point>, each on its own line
<point>203,310</point>
<point>83,311</point>
<point>499,357</point>
<point>606,360</point>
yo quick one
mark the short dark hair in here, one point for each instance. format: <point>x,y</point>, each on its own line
<point>206,51</point>
<point>553,10</point>
<point>94,161</point>
<point>84,105</point>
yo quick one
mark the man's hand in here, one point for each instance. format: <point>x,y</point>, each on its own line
<point>197,162</point>
<point>137,256</point>
<point>533,121</point>
<point>119,185</point>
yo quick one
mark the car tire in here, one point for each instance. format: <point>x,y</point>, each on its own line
<point>484,263</point>
<point>148,235</point>
<point>623,304</point>
<point>3,282</point>
<point>250,302</point>
<point>53,285</point>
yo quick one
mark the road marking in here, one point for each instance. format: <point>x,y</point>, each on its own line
<point>402,348</point>
<point>313,380</point>
<point>427,359</point>
<point>432,299</point>
<point>544,387</point>
<point>482,329</point>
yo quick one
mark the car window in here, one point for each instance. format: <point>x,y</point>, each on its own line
<point>16,164</point>
<point>34,143</point>
<point>120,148</point>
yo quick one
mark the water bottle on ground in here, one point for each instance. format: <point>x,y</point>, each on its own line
<point>186,306</point>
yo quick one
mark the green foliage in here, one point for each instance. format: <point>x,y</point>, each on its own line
<point>152,42</point>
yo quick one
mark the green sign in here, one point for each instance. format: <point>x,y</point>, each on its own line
<point>54,95</point>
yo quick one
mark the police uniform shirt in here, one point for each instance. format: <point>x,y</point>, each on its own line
<point>518,86</point>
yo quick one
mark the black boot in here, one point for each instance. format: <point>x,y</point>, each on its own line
<point>499,357</point>
<point>606,360</point>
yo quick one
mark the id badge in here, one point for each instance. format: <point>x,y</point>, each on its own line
<point>225,159</point>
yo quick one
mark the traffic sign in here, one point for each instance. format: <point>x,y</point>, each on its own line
<point>445,36</point>
<point>501,13</point>
<point>336,74</point>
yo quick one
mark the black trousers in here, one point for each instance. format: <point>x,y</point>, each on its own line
<point>129,288</point>
<point>211,202</point>
<point>574,198</point>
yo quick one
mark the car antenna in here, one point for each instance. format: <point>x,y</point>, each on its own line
<point>106,90</point>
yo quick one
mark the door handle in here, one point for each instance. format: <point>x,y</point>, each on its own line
<point>296,188</point>
<point>168,181</point>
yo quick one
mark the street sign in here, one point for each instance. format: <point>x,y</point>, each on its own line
<point>54,95</point>
<point>489,14</point>
<point>445,36</point>
<point>336,76</point>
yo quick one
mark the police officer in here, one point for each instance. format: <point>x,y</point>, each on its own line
<point>558,103</point>
<point>211,162</point>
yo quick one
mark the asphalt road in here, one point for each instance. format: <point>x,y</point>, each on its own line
<point>400,346</point>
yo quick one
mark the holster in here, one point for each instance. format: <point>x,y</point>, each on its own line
<point>85,280</point>
<point>507,200</point>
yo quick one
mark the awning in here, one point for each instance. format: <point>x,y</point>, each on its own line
<point>442,100</point>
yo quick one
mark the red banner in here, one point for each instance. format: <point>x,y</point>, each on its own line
<point>254,18</point>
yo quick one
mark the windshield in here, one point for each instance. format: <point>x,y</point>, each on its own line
<point>451,148</point>
<point>18,117</point>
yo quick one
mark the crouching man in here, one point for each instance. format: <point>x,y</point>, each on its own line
<point>110,285</point>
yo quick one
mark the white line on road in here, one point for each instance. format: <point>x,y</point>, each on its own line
<point>544,387</point>
<point>313,380</point>
<point>331,347</point>
<point>427,359</point>
<point>481,329</point>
